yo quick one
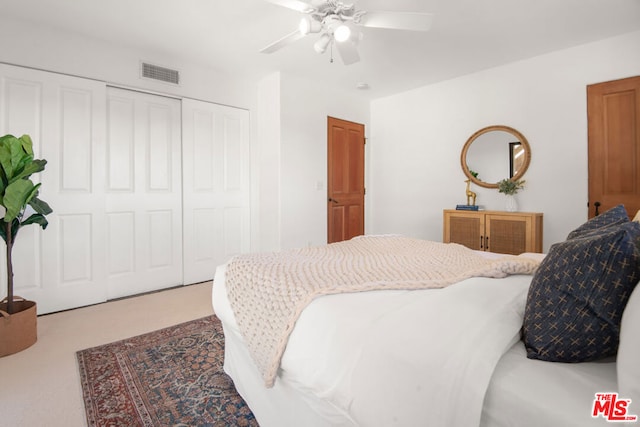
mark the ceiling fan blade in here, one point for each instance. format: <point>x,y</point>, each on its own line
<point>348,52</point>
<point>297,5</point>
<point>413,21</point>
<point>279,44</point>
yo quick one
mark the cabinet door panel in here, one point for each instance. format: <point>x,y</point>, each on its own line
<point>466,229</point>
<point>507,235</point>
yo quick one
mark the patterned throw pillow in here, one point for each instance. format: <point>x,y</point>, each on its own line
<point>614,216</point>
<point>577,295</point>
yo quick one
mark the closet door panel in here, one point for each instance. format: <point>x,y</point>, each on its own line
<point>75,153</point>
<point>21,103</point>
<point>120,144</point>
<point>63,266</point>
<point>75,248</point>
<point>235,222</point>
<point>204,244</point>
<point>21,110</point>
<point>235,173</point>
<point>161,247</point>
<point>216,193</point>
<point>144,199</point>
<point>121,258</point>
<point>160,146</point>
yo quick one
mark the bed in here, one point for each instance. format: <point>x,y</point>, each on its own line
<point>451,356</point>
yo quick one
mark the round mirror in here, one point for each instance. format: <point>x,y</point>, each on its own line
<point>493,154</point>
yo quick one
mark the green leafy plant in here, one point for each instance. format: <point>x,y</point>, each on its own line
<point>510,187</point>
<point>19,196</point>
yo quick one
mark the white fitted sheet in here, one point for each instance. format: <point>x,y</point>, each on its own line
<point>528,393</point>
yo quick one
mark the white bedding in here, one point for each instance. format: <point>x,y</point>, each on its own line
<point>422,361</point>
<point>383,358</point>
<point>268,291</point>
<point>529,393</point>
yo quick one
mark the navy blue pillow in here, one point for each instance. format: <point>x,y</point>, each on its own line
<point>577,295</point>
<point>614,216</point>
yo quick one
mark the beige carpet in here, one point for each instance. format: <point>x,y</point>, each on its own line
<point>41,385</point>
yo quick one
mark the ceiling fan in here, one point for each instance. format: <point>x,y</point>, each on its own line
<point>336,21</point>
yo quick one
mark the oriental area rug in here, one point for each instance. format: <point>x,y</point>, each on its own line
<point>170,377</point>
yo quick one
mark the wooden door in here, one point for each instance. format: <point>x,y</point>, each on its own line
<point>614,145</point>
<point>345,204</point>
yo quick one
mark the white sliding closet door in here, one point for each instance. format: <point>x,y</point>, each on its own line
<point>143,186</point>
<point>63,266</point>
<point>216,192</point>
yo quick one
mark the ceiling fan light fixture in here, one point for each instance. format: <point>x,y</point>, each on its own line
<point>342,33</point>
<point>323,42</point>
<point>308,25</point>
<point>339,21</point>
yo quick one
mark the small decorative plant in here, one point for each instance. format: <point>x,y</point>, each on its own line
<point>18,196</point>
<point>510,187</point>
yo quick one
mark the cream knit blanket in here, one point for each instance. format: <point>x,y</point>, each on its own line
<point>267,292</point>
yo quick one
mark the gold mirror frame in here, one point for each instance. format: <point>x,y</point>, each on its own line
<point>467,145</point>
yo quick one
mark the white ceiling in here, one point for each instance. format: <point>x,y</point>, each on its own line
<point>467,35</point>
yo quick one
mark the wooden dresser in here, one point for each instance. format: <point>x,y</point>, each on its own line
<point>494,231</point>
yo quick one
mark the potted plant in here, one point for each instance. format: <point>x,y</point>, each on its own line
<point>19,198</point>
<point>510,187</point>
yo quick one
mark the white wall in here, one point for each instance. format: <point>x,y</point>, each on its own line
<point>417,137</point>
<point>305,108</point>
<point>292,138</point>
<point>267,161</point>
<point>37,46</point>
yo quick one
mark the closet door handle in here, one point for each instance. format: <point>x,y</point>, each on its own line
<point>481,241</point>
<point>486,243</point>
<point>333,200</point>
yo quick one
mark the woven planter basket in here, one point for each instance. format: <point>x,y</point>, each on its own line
<point>18,331</point>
